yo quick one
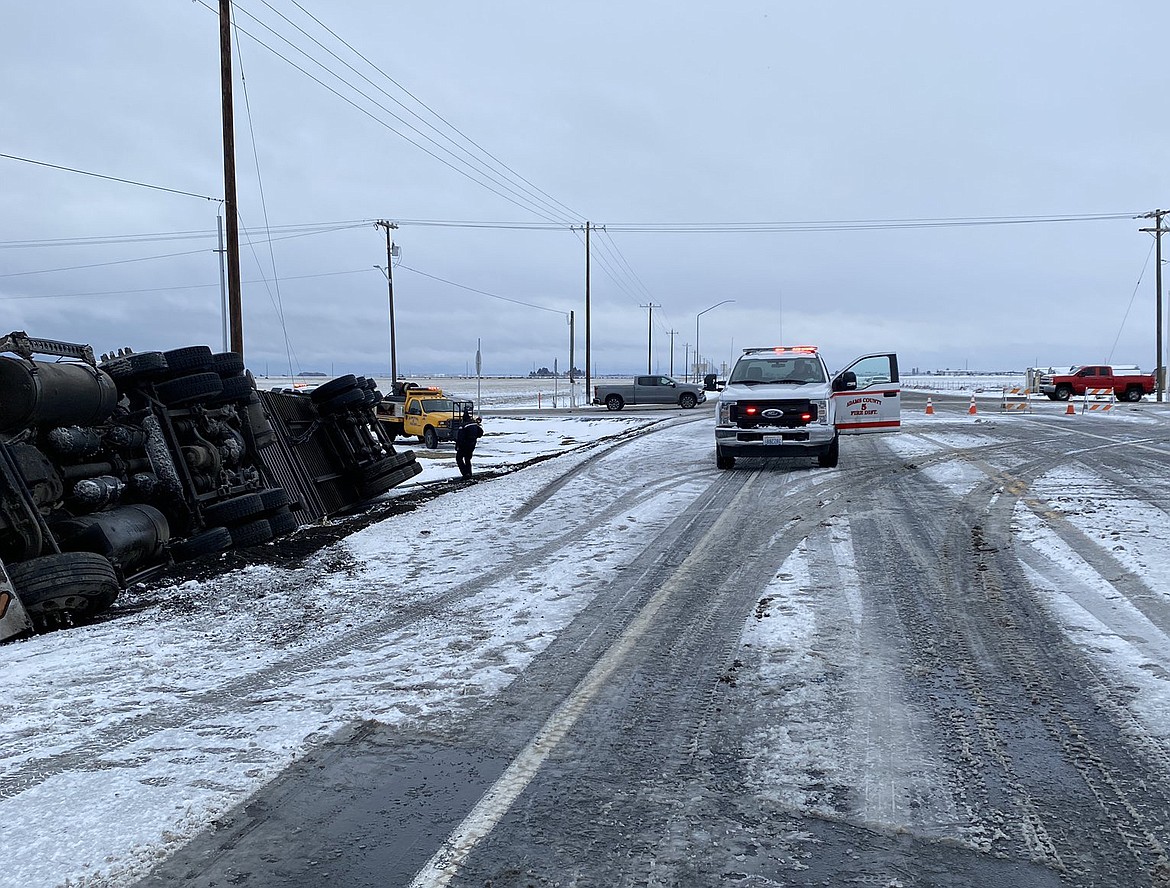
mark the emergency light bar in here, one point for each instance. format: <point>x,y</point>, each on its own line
<point>783,350</point>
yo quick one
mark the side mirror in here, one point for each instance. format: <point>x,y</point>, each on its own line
<point>846,382</point>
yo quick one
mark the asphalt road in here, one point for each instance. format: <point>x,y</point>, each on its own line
<point>809,677</point>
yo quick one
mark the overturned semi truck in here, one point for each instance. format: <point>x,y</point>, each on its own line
<point>112,470</point>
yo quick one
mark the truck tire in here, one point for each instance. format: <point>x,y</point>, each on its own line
<point>234,510</point>
<point>347,400</point>
<point>831,456</point>
<point>283,521</point>
<point>430,438</point>
<point>1133,394</point>
<point>235,388</point>
<point>128,369</point>
<point>723,461</point>
<point>193,359</point>
<point>1063,392</point>
<point>76,583</point>
<point>687,400</point>
<point>254,533</point>
<point>209,542</point>
<point>327,390</point>
<point>227,364</point>
<point>614,402</point>
<point>189,389</point>
<point>377,487</point>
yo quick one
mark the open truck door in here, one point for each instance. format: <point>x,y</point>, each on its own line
<point>867,396</point>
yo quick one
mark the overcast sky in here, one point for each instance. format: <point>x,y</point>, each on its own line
<point>635,115</point>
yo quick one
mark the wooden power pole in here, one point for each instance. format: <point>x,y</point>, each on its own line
<point>588,326</point>
<point>1157,230</point>
<point>235,304</point>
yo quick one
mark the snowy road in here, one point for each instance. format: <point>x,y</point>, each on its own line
<point>944,663</point>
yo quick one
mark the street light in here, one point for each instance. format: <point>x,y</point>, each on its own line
<point>699,315</point>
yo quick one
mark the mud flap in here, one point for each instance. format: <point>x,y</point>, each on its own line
<point>14,619</point>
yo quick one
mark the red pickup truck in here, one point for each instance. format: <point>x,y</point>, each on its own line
<point>1127,383</point>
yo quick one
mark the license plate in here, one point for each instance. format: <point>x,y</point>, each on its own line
<point>773,439</point>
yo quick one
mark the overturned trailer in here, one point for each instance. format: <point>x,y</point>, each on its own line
<point>110,471</point>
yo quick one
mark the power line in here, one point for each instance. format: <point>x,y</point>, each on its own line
<point>301,230</point>
<point>858,224</point>
<point>108,178</point>
<point>642,227</point>
<point>7,298</point>
<point>463,172</point>
<point>481,292</point>
<point>515,178</point>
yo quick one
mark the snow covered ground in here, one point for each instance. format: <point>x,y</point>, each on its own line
<point>121,740</point>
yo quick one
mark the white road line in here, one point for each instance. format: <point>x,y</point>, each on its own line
<point>498,800</point>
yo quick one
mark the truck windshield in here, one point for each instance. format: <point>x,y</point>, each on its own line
<point>773,371</point>
<point>438,405</point>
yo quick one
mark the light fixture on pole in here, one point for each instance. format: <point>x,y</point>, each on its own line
<point>699,315</point>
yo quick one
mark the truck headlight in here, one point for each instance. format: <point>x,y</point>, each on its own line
<point>725,412</point>
<point>822,411</point>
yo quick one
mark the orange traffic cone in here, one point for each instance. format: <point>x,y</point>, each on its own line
<point>929,407</point>
<point>971,410</point>
<point>1070,411</point>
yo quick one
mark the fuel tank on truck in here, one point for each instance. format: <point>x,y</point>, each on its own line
<point>47,395</point>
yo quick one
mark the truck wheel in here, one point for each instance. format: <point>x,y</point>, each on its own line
<point>829,459</point>
<point>282,522</point>
<point>234,510</point>
<point>333,387</point>
<point>686,400</point>
<point>209,542</point>
<point>254,533</point>
<point>1063,392</point>
<point>193,359</point>
<point>185,390</point>
<point>355,397</point>
<point>723,461</point>
<point>614,402</point>
<point>1133,394</point>
<point>76,583</point>
<point>131,368</point>
<point>227,364</point>
<point>430,438</point>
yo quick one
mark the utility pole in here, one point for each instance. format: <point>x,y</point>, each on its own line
<point>672,334</point>
<point>650,335</point>
<point>223,300</point>
<point>571,371</point>
<point>588,319</point>
<point>390,226</point>
<point>1157,230</point>
<point>235,304</point>
<point>687,361</point>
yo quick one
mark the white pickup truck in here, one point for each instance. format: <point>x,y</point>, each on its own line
<point>649,390</point>
<point>784,402</point>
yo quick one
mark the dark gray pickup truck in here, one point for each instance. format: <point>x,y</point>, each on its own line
<point>649,390</point>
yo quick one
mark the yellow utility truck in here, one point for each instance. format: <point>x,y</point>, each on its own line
<point>426,413</point>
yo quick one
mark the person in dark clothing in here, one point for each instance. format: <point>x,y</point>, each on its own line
<point>465,439</point>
